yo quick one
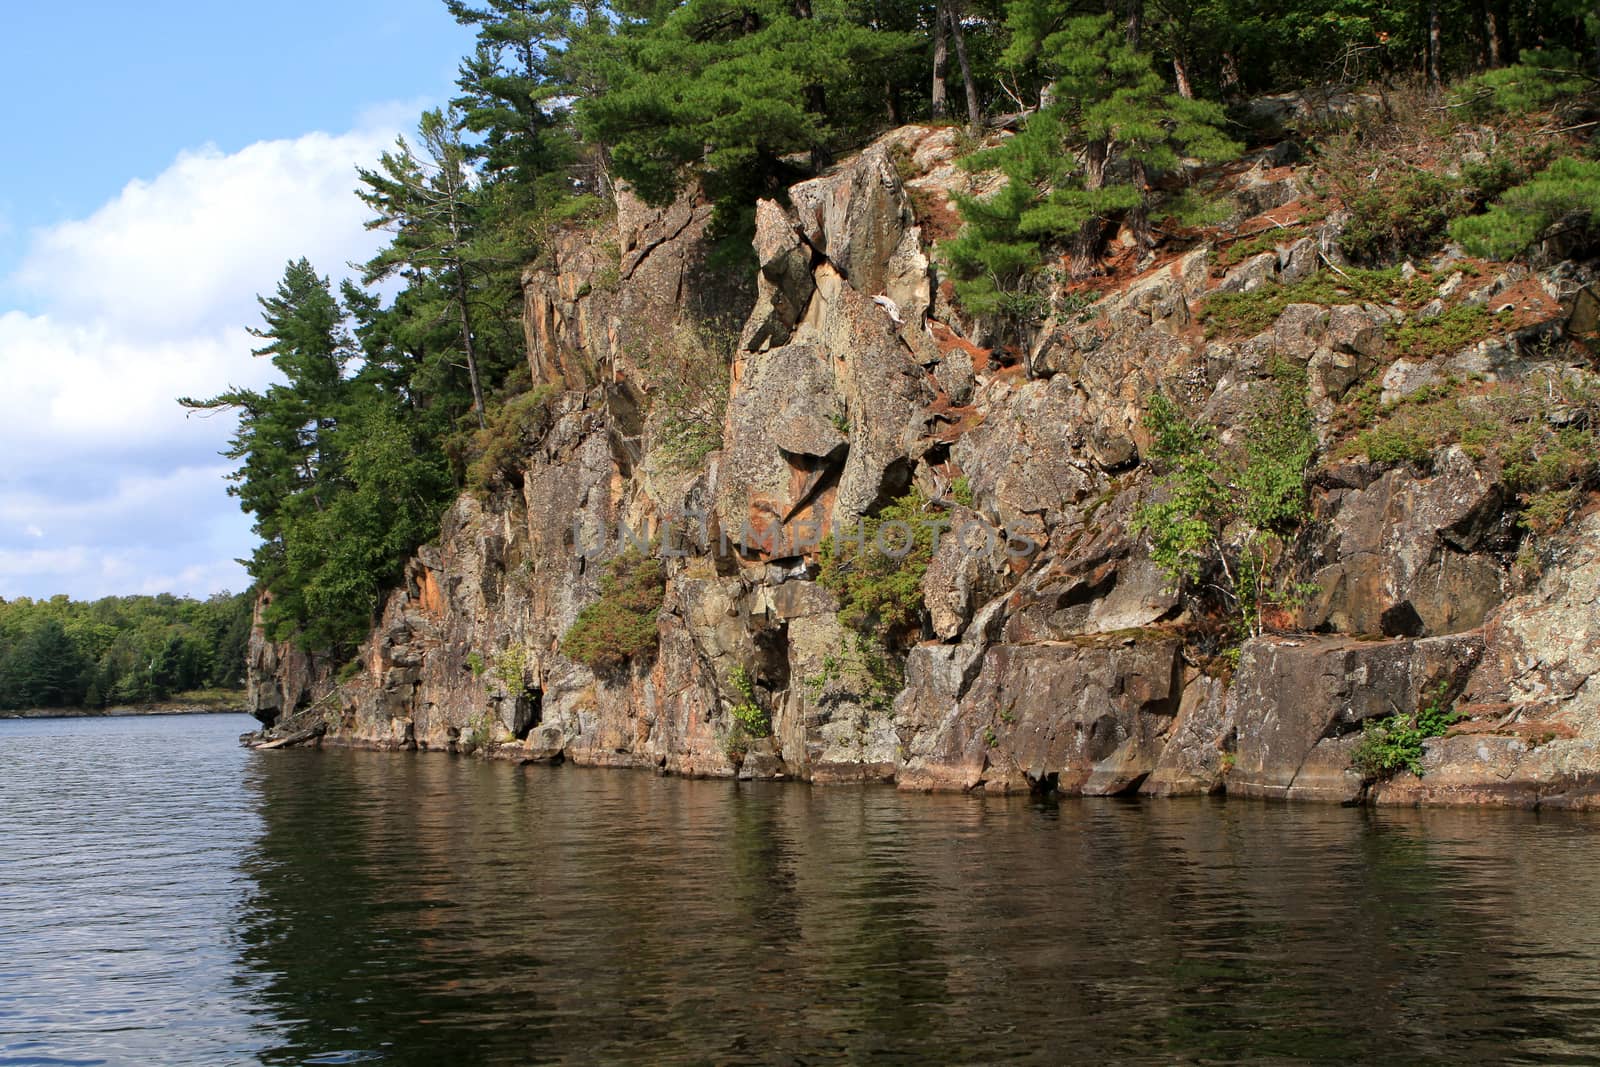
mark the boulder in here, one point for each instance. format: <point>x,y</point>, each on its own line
<point>1081,718</point>
<point>1296,703</point>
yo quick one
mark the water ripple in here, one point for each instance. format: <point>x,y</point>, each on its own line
<point>167,897</point>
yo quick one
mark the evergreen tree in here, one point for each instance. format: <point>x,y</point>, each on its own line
<point>1106,105</point>
<point>428,202</point>
<point>514,93</point>
<point>732,90</point>
<point>1566,193</point>
<point>338,563</point>
<point>285,433</point>
<point>44,669</point>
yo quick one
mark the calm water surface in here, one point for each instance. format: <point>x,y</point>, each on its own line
<point>166,897</point>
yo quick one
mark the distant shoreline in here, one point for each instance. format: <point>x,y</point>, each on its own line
<point>169,707</point>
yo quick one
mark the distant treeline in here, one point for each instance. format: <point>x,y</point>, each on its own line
<point>62,653</point>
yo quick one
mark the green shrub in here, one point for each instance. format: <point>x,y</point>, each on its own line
<point>1393,442</point>
<point>1404,214</point>
<point>481,732</point>
<point>494,453</point>
<point>1567,190</point>
<point>1546,511</point>
<point>748,715</point>
<point>881,593</point>
<point>1541,77</point>
<point>688,372</point>
<point>621,625</point>
<point>1509,426</point>
<point>510,666</point>
<point>1247,314</point>
<point>1227,511</point>
<point>1395,743</point>
<point>1231,255</point>
<point>608,275</point>
<point>858,669</point>
<point>1448,332</point>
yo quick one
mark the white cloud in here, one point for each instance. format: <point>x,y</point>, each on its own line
<point>105,484</point>
<point>191,247</point>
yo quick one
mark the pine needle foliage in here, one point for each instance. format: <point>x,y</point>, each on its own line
<point>1109,108</point>
<point>1566,193</point>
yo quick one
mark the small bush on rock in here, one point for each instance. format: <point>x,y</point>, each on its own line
<point>1404,214</point>
<point>621,625</point>
<point>1394,743</point>
<point>493,454</point>
<point>879,580</point>
<point>688,374</point>
<point>1542,435</point>
<point>749,717</point>
<point>1247,314</point>
<point>1222,514</point>
<point>1448,332</point>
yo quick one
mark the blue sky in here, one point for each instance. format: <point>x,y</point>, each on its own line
<point>165,159</point>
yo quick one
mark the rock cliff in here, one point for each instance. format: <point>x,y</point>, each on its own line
<point>1055,652</point>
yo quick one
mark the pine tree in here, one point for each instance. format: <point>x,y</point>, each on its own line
<point>1107,100</point>
<point>732,91</point>
<point>285,433</point>
<point>42,670</point>
<point>1566,193</point>
<point>515,93</point>
<point>1106,105</point>
<point>428,202</point>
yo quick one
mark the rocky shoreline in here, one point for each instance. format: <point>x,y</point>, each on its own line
<point>1074,667</point>
<point>165,708</point>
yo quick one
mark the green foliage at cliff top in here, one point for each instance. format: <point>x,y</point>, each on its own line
<point>1108,102</point>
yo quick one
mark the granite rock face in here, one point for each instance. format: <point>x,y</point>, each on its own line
<point>1055,654</point>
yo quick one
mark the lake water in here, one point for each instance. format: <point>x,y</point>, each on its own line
<point>167,897</point>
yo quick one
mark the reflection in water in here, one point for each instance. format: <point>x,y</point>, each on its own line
<point>168,898</point>
<point>413,908</point>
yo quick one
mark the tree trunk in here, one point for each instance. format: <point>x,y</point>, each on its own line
<point>1086,245</point>
<point>816,100</point>
<point>1491,35</point>
<point>1135,26</point>
<point>1230,76</point>
<point>1594,27</point>
<point>460,271</point>
<point>1139,217</point>
<point>1095,157</point>
<point>1435,37</point>
<point>1180,74</point>
<point>974,107</point>
<point>468,345</point>
<point>941,59</point>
